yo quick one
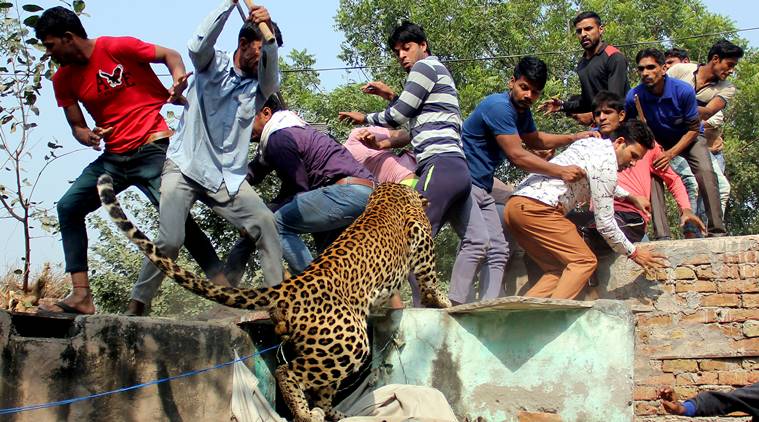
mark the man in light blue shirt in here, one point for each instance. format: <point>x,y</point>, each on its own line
<point>207,158</point>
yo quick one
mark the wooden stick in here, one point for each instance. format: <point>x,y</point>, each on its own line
<point>268,36</point>
<point>639,108</point>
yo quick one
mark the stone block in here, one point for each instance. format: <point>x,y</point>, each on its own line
<point>750,300</point>
<point>645,393</point>
<point>738,286</point>
<point>699,259</point>
<point>737,315</point>
<point>655,320</point>
<point>696,378</point>
<point>684,273</point>
<point>701,316</point>
<point>696,286</point>
<point>719,365</point>
<point>647,408</point>
<point>726,300</point>
<point>679,365</point>
<point>748,270</point>
<point>747,346</point>
<point>538,417</point>
<point>738,378</point>
<point>705,273</point>
<point>751,328</point>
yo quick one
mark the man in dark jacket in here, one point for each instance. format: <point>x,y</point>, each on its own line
<point>714,403</point>
<point>602,68</point>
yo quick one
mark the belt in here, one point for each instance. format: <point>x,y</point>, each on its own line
<point>350,180</point>
<point>158,135</point>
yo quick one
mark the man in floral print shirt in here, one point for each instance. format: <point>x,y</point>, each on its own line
<point>535,213</point>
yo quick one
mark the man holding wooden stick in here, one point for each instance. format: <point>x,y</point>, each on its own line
<point>208,157</point>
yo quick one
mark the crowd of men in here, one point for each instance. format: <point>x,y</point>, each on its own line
<point>597,194</point>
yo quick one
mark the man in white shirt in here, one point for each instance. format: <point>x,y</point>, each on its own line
<point>535,213</point>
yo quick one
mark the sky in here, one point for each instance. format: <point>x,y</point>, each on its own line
<point>305,25</point>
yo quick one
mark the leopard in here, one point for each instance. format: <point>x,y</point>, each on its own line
<point>322,312</point>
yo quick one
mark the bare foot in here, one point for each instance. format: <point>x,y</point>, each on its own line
<point>78,301</point>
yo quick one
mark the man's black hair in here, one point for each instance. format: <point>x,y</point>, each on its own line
<point>533,69</point>
<point>274,104</point>
<point>680,53</point>
<point>251,32</point>
<point>635,131</point>
<point>608,99</point>
<point>654,53</point>
<point>586,15</point>
<point>407,32</point>
<point>724,49</point>
<point>56,21</point>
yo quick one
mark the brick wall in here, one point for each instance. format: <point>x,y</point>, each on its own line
<point>697,322</point>
<point>702,331</point>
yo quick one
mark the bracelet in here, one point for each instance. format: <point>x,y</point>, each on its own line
<point>634,254</point>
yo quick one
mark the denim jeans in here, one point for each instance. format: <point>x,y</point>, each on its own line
<point>324,212</point>
<point>140,168</point>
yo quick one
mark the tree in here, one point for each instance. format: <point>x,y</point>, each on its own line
<point>20,83</point>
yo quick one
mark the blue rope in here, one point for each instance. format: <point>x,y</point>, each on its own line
<point>12,410</point>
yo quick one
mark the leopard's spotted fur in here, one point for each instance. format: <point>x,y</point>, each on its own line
<point>324,309</point>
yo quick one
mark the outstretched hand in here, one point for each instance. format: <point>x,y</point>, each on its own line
<point>553,105</point>
<point>649,258</point>
<point>176,90</point>
<point>670,403</point>
<point>689,217</point>
<point>641,203</point>
<point>379,89</point>
<point>352,117</point>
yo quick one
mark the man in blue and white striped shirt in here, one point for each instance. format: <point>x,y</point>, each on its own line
<point>429,104</point>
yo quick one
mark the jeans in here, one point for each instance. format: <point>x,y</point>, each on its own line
<point>140,168</point>
<point>245,211</point>
<point>325,212</point>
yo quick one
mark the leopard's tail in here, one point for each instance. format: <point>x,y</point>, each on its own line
<point>263,298</point>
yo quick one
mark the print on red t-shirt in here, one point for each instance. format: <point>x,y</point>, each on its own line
<point>119,89</point>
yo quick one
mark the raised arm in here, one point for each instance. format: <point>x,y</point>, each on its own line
<point>201,45</point>
<point>268,73</point>
<point>418,86</point>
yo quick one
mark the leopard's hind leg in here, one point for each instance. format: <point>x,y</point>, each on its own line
<point>289,382</point>
<point>325,395</point>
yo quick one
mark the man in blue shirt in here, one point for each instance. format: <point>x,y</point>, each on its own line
<point>491,134</point>
<point>207,158</point>
<point>670,109</point>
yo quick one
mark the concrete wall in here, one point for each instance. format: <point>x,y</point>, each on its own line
<point>697,322</point>
<point>100,353</point>
<point>494,360</point>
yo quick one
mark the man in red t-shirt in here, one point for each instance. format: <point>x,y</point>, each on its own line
<point>112,78</point>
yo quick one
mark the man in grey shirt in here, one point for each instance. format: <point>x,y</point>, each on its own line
<point>207,158</point>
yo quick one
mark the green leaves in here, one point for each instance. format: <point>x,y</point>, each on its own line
<point>31,8</point>
<point>78,6</point>
<point>31,21</point>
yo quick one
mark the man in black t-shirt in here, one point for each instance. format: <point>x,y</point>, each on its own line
<point>602,68</point>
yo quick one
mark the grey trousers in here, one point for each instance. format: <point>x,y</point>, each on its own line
<point>700,162</point>
<point>245,211</point>
<point>483,246</point>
